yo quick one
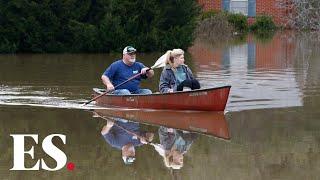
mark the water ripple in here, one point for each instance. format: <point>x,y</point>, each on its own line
<point>272,88</point>
<point>50,97</point>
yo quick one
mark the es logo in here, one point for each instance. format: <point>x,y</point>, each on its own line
<point>47,146</point>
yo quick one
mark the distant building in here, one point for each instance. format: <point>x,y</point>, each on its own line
<point>251,8</point>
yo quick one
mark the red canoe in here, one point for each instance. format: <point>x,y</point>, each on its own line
<point>212,99</point>
<point>204,122</point>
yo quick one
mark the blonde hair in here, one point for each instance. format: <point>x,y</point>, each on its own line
<point>171,54</point>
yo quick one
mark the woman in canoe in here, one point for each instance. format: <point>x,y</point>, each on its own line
<point>176,75</point>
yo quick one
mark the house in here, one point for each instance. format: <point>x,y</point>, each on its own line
<point>251,8</point>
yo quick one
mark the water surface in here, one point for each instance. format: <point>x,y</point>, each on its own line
<point>272,113</point>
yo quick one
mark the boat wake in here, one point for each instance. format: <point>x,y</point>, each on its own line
<point>41,97</point>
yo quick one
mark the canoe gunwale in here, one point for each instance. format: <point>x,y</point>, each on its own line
<point>98,91</point>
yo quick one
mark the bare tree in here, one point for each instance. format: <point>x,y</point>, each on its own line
<point>301,14</point>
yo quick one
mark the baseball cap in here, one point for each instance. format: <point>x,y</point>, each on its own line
<point>128,49</point>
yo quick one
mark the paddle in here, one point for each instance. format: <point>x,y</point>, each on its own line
<point>159,63</point>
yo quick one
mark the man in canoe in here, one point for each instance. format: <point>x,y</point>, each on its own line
<point>176,75</point>
<point>123,69</point>
<point>125,136</point>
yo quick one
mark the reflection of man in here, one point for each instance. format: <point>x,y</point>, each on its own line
<point>125,136</point>
<point>175,144</point>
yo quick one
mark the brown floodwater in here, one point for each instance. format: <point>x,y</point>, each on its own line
<point>269,130</point>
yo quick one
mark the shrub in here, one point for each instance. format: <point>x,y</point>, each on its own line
<point>215,28</point>
<point>239,22</point>
<point>96,25</point>
<point>84,36</point>
<point>208,14</point>
<point>263,25</point>
<point>8,47</point>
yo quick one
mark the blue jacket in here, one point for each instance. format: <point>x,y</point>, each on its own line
<point>168,79</point>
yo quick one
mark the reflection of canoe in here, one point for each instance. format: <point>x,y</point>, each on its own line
<point>213,99</point>
<point>205,122</point>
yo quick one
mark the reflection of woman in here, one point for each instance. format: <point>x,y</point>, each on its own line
<point>176,75</point>
<point>175,144</point>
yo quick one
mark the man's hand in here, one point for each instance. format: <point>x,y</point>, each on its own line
<point>106,81</point>
<point>149,72</point>
<point>107,127</point>
<point>110,87</point>
<point>110,124</point>
<point>144,70</point>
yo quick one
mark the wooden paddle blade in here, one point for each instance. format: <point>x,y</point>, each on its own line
<point>161,62</point>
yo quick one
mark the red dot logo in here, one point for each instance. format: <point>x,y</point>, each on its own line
<point>70,166</point>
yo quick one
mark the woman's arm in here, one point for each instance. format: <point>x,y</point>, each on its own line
<point>189,72</point>
<point>164,85</point>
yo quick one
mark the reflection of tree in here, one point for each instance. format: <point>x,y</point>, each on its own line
<point>307,44</point>
<point>308,65</point>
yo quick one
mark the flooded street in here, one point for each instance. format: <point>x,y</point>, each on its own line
<point>270,128</point>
